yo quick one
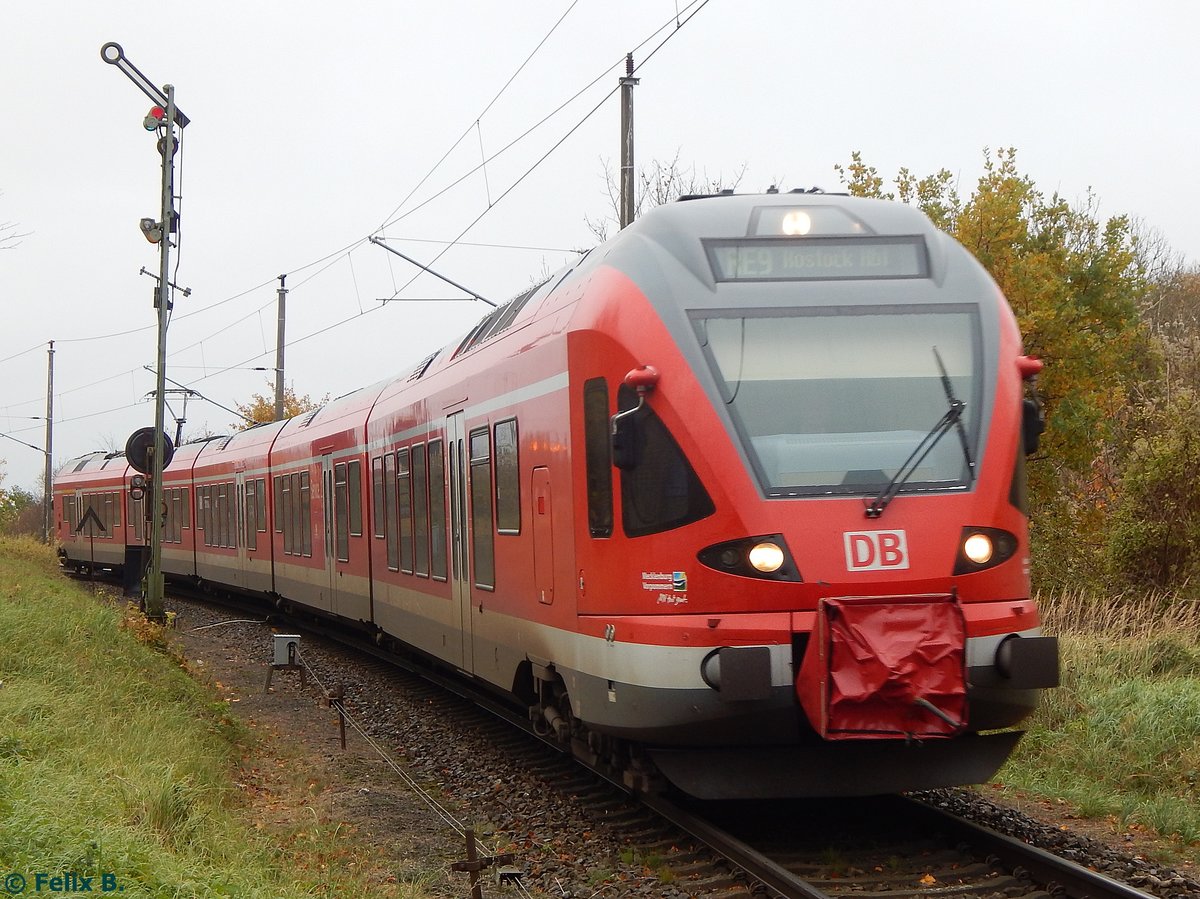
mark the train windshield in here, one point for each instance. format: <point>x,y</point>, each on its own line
<point>834,401</point>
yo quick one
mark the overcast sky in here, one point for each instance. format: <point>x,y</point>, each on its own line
<point>314,124</point>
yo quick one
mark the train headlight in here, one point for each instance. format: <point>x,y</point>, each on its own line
<point>796,223</point>
<point>763,556</point>
<point>978,548</point>
<point>766,557</point>
<point>803,220</point>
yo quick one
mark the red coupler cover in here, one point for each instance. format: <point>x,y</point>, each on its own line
<point>880,667</point>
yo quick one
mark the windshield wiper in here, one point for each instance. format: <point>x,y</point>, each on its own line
<point>952,418</point>
<point>958,425</point>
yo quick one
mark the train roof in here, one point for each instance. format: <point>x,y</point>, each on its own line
<point>89,464</point>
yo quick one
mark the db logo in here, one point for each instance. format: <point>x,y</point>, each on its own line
<point>875,550</point>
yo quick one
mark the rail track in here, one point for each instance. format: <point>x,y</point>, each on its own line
<point>891,847</point>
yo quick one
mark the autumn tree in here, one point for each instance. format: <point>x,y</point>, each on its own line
<point>1076,284</point>
<point>1154,536</point>
<point>261,409</point>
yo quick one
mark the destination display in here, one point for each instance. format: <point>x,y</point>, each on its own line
<point>817,258</point>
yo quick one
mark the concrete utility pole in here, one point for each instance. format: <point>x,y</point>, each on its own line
<point>282,304</point>
<point>48,491</point>
<point>162,119</point>
<point>627,180</point>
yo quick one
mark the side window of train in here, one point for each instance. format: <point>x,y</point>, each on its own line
<point>379,526</point>
<point>404,505</point>
<point>598,458</point>
<point>260,499</point>
<point>354,483</point>
<point>482,535</point>
<point>305,514</point>
<point>420,505</point>
<point>280,505</point>
<point>389,483</point>
<point>287,522</point>
<point>341,511</point>
<point>437,510</point>
<point>508,478</point>
<point>251,515</point>
<point>661,490</point>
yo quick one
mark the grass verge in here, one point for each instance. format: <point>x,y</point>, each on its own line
<point>1120,738</point>
<point>114,761</point>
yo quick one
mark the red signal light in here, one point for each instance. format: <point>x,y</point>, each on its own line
<point>154,118</point>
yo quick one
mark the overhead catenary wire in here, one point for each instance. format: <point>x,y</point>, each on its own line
<point>700,4</point>
<point>694,8</point>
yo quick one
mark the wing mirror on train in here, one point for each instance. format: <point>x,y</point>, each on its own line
<point>1033,419</point>
<point>623,425</point>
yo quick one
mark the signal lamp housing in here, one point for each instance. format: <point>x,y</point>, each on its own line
<point>151,230</point>
<point>154,118</point>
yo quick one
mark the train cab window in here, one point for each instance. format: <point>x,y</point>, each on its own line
<point>832,400</point>
<point>508,478</point>
<point>437,510</point>
<point>341,507</point>
<point>354,485</point>
<point>420,512</point>
<point>662,490</point>
<point>482,536</point>
<point>404,505</point>
<point>598,457</point>
<point>389,483</point>
<point>380,522</point>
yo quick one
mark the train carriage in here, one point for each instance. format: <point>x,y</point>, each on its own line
<point>738,498</point>
<point>95,483</point>
<point>180,523</point>
<point>318,492</point>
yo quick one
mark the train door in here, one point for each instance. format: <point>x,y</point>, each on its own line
<point>331,536</point>
<point>460,578</point>
<point>543,535</point>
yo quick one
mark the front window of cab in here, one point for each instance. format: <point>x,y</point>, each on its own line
<point>834,401</point>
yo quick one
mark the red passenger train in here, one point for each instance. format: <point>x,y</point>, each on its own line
<point>737,500</point>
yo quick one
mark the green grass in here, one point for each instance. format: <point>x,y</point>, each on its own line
<point>1120,738</point>
<point>113,760</point>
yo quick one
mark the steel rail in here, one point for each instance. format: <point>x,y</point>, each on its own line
<point>774,875</point>
<point>1060,876</point>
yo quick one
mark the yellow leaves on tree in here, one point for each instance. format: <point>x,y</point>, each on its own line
<point>1075,284</point>
<point>261,409</point>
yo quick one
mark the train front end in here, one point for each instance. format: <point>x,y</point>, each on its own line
<point>807,505</point>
